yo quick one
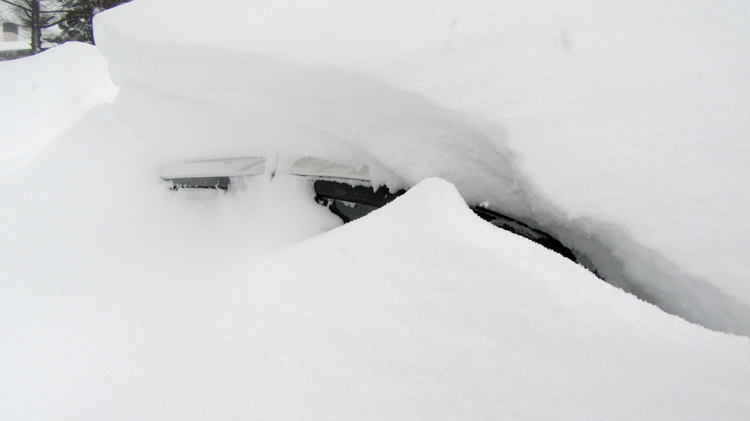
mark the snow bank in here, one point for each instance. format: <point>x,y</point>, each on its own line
<point>121,299</point>
<point>619,128</point>
<point>45,94</point>
<point>124,300</point>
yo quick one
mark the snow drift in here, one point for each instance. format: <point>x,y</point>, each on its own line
<point>620,129</point>
<point>44,95</point>
<point>122,300</point>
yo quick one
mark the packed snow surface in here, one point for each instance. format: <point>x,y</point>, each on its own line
<point>44,95</point>
<point>125,300</point>
<point>619,128</point>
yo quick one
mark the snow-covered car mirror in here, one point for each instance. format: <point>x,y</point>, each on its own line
<point>212,173</point>
<point>316,167</point>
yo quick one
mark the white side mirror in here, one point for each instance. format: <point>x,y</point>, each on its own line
<point>212,172</point>
<point>316,167</point>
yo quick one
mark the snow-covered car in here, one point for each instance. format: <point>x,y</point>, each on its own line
<point>614,128</point>
<point>346,191</point>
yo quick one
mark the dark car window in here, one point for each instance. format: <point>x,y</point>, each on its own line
<point>519,228</point>
<point>349,211</point>
<point>352,202</point>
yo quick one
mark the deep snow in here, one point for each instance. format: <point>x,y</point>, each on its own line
<point>124,300</point>
<point>45,94</point>
<point>620,129</point>
<point>121,299</point>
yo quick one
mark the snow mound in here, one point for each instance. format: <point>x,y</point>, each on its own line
<point>618,129</point>
<point>124,300</point>
<point>44,95</point>
<point>121,299</point>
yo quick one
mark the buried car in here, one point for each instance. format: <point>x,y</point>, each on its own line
<point>345,190</point>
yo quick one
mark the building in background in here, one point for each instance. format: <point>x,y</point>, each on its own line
<point>10,32</point>
<point>13,46</point>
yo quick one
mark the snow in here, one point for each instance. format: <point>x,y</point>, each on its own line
<point>45,94</point>
<point>141,303</point>
<point>619,128</point>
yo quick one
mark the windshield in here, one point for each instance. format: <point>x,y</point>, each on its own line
<point>350,211</point>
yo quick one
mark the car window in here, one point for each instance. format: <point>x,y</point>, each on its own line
<point>349,211</point>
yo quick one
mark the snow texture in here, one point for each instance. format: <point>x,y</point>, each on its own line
<point>44,95</point>
<point>617,127</point>
<point>124,300</point>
